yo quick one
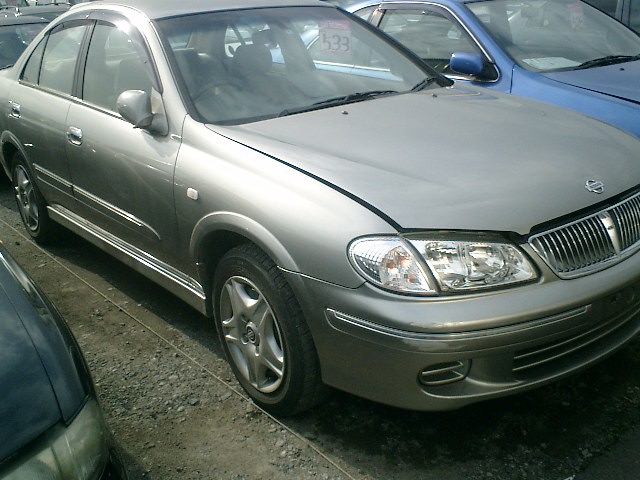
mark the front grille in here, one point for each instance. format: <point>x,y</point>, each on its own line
<point>592,243</point>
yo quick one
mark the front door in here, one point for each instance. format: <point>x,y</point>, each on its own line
<point>122,176</point>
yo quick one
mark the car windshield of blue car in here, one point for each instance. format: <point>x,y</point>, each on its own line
<point>241,66</point>
<point>556,35</point>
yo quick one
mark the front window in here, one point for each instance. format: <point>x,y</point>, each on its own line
<point>549,35</point>
<point>432,33</point>
<point>248,65</point>
<point>116,62</point>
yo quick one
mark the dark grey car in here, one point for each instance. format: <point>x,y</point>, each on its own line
<point>51,424</point>
<point>348,216</point>
<point>627,11</point>
<point>15,34</point>
<point>47,10</point>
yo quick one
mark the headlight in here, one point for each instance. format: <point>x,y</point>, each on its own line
<point>401,265</point>
<point>472,265</point>
<point>79,451</point>
<point>389,263</point>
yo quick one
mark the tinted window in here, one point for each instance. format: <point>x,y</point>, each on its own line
<point>607,6</point>
<point>32,69</point>
<point>431,33</point>
<point>14,39</point>
<point>60,58</point>
<point>365,13</point>
<point>114,64</point>
<point>634,20</point>
<point>14,3</point>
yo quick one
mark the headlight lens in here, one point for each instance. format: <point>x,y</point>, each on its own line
<point>79,451</point>
<point>388,263</point>
<point>411,265</point>
<point>473,265</point>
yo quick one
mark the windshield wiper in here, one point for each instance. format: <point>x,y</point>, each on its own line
<point>335,101</point>
<point>423,84</point>
<point>608,60</point>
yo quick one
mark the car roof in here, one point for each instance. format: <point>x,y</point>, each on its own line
<point>156,9</point>
<point>365,3</point>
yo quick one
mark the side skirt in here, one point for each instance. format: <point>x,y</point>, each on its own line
<point>184,287</point>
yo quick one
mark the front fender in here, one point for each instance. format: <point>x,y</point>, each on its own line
<point>242,226</point>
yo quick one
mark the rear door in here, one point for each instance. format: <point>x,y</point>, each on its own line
<point>39,104</point>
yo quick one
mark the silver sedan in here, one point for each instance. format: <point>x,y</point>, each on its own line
<point>348,216</point>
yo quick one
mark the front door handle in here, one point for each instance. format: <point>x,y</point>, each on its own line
<point>15,110</point>
<point>74,135</point>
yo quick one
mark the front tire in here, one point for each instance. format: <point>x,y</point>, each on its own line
<point>31,204</point>
<point>264,334</point>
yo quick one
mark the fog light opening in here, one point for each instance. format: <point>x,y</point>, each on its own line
<point>444,373</point>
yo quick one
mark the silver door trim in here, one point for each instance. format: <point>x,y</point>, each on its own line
<point>168,277</point>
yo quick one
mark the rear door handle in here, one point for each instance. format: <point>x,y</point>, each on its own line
<point>15,110</point>
<point>74,135</point>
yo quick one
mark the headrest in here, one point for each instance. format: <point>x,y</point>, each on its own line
<point>254,58</point>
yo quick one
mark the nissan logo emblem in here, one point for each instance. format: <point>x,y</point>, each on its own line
<point>594,186</point>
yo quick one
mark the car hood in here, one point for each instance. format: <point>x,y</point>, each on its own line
<point>620,80</point>
<point>454,158</point>
<point>29,405</point>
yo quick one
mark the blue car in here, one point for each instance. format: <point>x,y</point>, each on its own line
<point>563,52</point>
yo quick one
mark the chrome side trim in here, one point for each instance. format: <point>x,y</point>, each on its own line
<point>53,180</point>
<point>188,289</point>
<point>122,214</point>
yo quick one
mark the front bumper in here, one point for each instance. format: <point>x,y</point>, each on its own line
<point>434,354</point>
<point>82,450</point>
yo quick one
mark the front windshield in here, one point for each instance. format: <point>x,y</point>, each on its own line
<point>548,35</point>
<point>248,65</point>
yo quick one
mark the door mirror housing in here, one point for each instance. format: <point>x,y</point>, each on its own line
<point>467,63</point>
<point>136,107</point>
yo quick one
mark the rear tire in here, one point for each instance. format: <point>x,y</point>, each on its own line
<point>264,334</point>
<point>31,204</point>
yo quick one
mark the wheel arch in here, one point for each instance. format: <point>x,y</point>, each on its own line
<point>217,233</point>
<point>10,145</point>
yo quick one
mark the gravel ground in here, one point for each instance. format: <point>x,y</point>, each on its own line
<point>178,413</point>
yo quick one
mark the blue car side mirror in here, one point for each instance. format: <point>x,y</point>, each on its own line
<point>466,63</point>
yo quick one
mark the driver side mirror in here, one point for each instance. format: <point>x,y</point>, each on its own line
<point>467,63</point>
<point>136,108</point>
